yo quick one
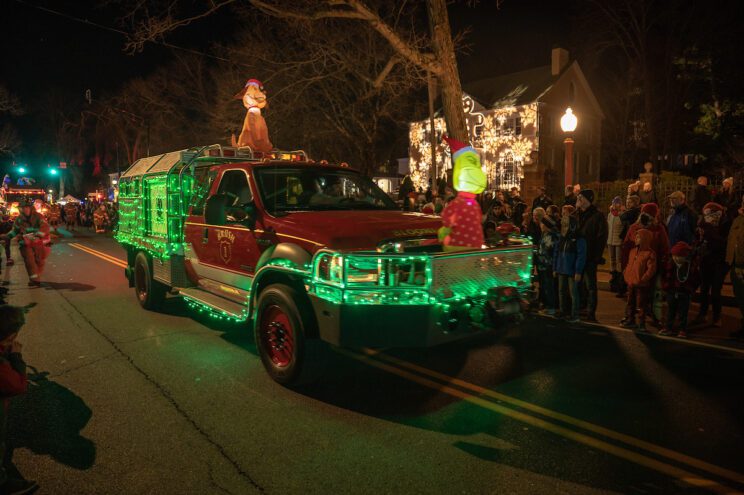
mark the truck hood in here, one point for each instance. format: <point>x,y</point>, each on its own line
<point>357,230</point>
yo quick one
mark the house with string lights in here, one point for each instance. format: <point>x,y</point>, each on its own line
<point>514,122</point>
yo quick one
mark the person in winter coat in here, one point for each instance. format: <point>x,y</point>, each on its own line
<point>735,259</point>
<point>711,243</point>
<point>13,382</point>
<point>683,221</point>
<point>569,198</point>
<point>534,229</point>
<point>681,279</point>
<point>34,242</point>
<point>544,261</point>
<point>639,275</point>
<point>649,220</point>
<point>568,265</point>
<point>701,195</point>
<point>593,228</point>
<point>728,198</point>
<point>542,201</point>
<point>615,242</point>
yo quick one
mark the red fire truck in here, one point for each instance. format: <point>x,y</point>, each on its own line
<point>309,253</point>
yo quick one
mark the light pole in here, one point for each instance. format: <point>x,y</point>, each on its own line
<point>568,125</point>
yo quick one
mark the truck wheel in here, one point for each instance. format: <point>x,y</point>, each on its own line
<point>283,320</point>
<point>150,293</point>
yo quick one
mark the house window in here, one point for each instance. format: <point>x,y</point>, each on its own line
<point>509,172</point>
<point>513,126</point>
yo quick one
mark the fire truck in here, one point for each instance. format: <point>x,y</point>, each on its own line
<point>15,194</point>
<point>308,253</point>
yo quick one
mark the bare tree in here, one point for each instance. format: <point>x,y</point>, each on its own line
<point>433,53</point>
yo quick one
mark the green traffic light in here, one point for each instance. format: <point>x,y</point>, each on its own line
<point>21,170</point>
<point>53,171</point>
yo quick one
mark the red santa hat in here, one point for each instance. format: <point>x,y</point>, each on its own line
<point>454,144</point>
<point>250,82</point>
<point>651,209</point>
<point>681,249</point>
<point>713,207</point>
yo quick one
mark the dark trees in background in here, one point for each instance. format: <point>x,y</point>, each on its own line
<point>10,107</point>
<point>658,69</point>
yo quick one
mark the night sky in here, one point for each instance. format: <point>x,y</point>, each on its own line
<point>53,56</point>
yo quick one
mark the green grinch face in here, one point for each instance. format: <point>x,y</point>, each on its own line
<point>468,174</point>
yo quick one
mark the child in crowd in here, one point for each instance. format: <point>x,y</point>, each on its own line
<point>544,264</point>
<point>568,265</point>
<point>615,242</point>
<point>13,382</point>
<point>639,274</point>
<point>681,280</point>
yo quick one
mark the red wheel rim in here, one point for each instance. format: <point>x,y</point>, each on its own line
<point>278,335</point>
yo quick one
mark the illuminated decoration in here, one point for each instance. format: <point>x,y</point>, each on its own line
<point>255,133</point>
<point>505,137</point>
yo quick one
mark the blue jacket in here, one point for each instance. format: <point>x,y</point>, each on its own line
<point>681,225</point>
<point>570,255</point>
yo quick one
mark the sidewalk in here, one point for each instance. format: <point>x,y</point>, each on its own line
<point>611,310</point>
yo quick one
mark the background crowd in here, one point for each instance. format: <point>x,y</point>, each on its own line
<point>654,260</point>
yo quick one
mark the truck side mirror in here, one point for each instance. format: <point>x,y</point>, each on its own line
<point>214,212</point>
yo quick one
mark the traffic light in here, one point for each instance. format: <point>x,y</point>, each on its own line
<point>53,171</point>
<point>21,170</point>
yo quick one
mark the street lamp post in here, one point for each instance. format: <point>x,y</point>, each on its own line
<point>568,125</point>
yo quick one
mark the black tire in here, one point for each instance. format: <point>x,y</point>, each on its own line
<point>283,322</point>
<point>150,293</point>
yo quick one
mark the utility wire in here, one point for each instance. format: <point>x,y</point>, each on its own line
<point>124,33</point>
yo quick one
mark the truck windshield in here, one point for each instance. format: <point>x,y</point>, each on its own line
<point>315,189</point>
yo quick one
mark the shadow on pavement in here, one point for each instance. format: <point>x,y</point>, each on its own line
<point>71,286</point>
<point>48,419</point>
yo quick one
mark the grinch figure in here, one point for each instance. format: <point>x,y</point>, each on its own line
<point>461,218</point>
<point>255,133</point>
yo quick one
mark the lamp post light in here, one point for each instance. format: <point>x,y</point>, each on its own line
<point>568,125</point>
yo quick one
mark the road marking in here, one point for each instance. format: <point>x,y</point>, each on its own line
<point>99,254</point>
<point>628,455</point>
<point>600,430</point>
<point>681,474</point>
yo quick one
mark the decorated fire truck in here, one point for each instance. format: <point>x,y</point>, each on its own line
<point>308,253</point>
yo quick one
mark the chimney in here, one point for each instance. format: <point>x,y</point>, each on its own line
<point>559,61</point>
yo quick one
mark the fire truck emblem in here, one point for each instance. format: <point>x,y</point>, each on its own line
<point>225,239</point>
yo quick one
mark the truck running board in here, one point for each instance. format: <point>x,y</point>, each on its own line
<point>214,302</point>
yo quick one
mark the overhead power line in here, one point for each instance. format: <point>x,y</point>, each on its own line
<point>121,32</point>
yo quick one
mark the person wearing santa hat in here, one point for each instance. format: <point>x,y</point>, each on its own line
<point>711,242</point>
<point>680,281</point>
<point>462,226</point>
<point>650,220</point>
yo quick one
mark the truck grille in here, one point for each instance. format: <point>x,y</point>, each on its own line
<point>472,274</point>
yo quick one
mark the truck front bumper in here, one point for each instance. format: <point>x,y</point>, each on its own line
<point>419,325</point>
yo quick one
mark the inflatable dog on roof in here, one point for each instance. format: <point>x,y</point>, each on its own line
<point>255,133</point>
<point>461,218</point>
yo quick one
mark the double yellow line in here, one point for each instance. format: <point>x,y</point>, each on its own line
<point>493,401</point>
<point>99,254</point>
<point>537,416</point>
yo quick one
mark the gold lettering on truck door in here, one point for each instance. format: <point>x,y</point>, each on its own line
<point>225,238</point>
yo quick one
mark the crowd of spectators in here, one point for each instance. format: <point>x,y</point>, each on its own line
<point>654,261</point>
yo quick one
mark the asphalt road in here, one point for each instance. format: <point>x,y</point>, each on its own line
<point>130,401</point>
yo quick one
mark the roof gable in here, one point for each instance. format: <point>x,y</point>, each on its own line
<point>517,88</point>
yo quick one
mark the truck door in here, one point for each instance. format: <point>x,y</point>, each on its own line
<point>223,256</point>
